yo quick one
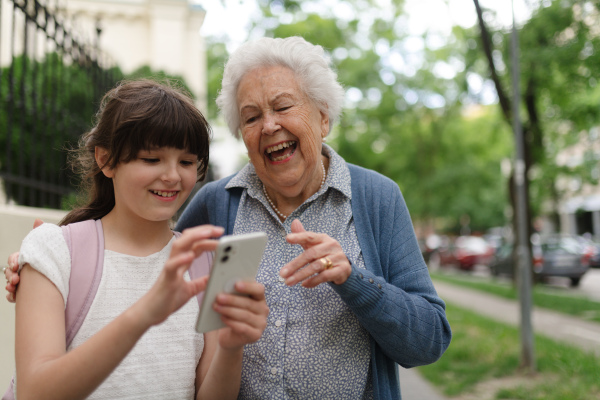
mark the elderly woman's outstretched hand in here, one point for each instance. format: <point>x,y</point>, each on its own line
<point>323,259</point>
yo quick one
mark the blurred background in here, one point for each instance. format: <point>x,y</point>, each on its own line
<point>429,103</point>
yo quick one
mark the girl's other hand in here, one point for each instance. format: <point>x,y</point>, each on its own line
<point>245,316</point>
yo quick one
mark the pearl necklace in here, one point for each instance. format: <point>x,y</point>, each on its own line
<point>282,215</point>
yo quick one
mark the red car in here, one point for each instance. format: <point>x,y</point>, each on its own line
<point>464,253</point>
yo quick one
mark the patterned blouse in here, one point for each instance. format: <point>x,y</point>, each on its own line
<point>313,346</point>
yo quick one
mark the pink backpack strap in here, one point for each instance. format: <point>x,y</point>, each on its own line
<point>200,267</point>
<point>10,393</point>
<point>86,245</point>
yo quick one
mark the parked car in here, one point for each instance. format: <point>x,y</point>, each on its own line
<point>465,252</point>
<point>592,250</point>
<point>429,245</point>
<point>552,255</point>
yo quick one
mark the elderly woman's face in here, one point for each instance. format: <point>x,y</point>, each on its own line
<point>282,130</point>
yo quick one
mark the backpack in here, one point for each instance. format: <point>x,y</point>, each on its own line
<point>86,245</point>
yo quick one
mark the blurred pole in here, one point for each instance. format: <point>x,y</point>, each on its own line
<point>523,253</point>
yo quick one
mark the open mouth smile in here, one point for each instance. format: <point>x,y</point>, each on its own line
<point>166,194</point>
<point>281,151</point>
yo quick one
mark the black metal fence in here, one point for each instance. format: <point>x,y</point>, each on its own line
<point>50,86</point>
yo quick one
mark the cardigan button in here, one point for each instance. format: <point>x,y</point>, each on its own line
<point>379,286</point>
<point>371,280</point>
<point>361,276</point>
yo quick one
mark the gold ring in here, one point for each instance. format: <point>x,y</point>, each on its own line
<point>327,264</point>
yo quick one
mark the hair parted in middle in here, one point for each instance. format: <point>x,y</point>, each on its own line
<point>307,61</point>
<point>136,115</point>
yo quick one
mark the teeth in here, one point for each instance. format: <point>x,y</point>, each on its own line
<point>278,158</point>
<point>164,194</point>
<point>279,146</point>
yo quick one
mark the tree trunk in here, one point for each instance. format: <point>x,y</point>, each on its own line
<point>531,129</point>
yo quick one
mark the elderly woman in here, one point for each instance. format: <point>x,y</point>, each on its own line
<point>348,291</point>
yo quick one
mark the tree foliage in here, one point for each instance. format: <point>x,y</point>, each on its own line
<point>44,106</point>
<point>558,59</point>
<point>402,118</point>
<point>428,111</point>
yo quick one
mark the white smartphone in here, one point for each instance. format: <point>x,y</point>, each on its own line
<point>237,258</point>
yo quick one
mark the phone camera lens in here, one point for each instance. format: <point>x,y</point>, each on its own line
<point>224,258</point>
<point>227,249</point>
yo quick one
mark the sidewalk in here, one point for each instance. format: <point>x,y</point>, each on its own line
<point>561,327</point>
<point>414,387</point>
<point>558,326</point>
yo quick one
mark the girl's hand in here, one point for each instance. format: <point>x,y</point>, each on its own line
<point>245,316</point>
<point>171,291</point>
<point>323,259</point>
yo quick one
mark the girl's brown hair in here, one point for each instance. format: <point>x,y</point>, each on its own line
<point>133,116</point>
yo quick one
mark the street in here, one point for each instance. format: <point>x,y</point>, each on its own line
<point>589,285</point>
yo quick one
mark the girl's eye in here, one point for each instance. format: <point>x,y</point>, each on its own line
<point>149,160</point>
<point>187,163</point>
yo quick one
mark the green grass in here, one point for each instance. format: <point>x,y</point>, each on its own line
<point>550,298</point>
<point>483,350</point>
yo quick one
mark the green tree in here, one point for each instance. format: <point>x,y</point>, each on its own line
<point>216,56</point>
<point>559,58</point>
<point>160,75</point>
<point>44,107</point>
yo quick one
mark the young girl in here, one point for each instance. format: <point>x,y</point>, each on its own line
<point>143,157</point>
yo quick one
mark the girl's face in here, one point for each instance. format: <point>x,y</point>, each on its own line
<point>154,185</point>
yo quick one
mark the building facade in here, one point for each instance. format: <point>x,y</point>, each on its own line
<point>161,34</point>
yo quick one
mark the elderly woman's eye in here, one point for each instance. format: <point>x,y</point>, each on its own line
<point>284,108</point>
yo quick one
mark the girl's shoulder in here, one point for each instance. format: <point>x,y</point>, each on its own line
<point>44,232</point>
<point>46,251</point>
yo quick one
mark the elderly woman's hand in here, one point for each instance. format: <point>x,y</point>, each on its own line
<point>12,277</point>
<point>322,260</point>
<point>11,272</point>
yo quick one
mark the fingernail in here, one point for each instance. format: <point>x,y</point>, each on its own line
<point>283,272</point>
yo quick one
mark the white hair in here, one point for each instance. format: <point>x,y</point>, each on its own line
<point>307,61</point>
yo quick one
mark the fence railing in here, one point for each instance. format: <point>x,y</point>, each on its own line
<point>50,86</point>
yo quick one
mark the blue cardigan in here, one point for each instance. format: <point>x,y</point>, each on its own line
<point>394,298</point>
